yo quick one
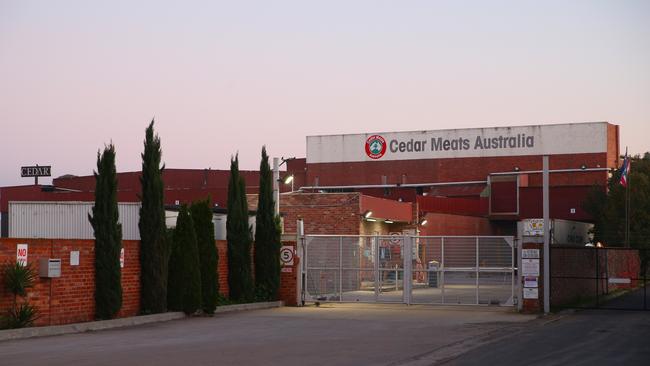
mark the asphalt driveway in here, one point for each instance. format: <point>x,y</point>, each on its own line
<point>342,334</point>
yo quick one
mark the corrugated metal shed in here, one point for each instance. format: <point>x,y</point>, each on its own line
<point>218,220</point>
<point>65,220</point>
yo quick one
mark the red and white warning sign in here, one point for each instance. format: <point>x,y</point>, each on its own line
<point>286,255</point>
<point>21,254</point>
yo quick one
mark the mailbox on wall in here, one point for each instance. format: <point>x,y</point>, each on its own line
<point>49,268</point>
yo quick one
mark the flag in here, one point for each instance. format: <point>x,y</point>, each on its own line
<point>625,171</point>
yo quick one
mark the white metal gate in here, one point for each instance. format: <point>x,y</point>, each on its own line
<point>469,270</point>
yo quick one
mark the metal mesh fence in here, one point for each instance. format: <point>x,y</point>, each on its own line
<point>438,270</point>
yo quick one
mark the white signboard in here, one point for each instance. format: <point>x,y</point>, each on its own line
<point>533,227</point>
<point>530,267</point>
<point>530,253</point>
<point>615,280</point>
<point>531,293</point>
<point>122,258</point>
<point>21,254</point>
<point>531,281</point>
<point>286,255</point>
<point>573,138</point>
<point>74,258</point>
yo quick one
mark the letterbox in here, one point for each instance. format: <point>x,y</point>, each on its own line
<point>49,267</point>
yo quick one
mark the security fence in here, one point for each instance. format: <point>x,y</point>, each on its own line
<point>467,270</point>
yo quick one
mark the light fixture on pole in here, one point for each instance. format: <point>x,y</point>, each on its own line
<point>289,179</point>
<point>423,222</point>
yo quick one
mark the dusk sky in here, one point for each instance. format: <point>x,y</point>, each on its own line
<point>231,76</point>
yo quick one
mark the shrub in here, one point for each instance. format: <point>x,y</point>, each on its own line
<point>184,286</point>
<point>208,256</point>
<point>18,278</point>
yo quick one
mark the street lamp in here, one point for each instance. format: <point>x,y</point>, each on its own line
<point>289,179</point>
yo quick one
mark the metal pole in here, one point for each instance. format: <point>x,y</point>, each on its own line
<point>513,250</point>
<point>375,249</point>
<point>547,232</point>
<point>300,249</point>
<point>517,262</point>
<point>626,243</point>
<point>407,270</point>
<point>597,276</point>
<point>276,184</point>
<point>645,282</point>
<point>477,266</point>
<point>340,269</point>
<point>442,268</point>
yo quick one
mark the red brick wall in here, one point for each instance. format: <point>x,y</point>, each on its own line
<point>584,265</point>
<point>322,213</point>
<point>222,267</point>
<point>70,298</point>
<point>613,152</point>
<point>130,278</point>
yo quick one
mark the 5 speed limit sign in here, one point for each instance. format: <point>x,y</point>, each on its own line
<point>286,255</point>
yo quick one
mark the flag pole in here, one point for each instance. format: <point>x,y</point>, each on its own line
<point>627,199</point>
<point>627,211</point>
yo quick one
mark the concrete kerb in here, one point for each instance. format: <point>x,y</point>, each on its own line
<point>14,334</point>
<point>249,306</point>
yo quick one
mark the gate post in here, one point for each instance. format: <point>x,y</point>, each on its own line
<point>532,268</point>
<point>375,246</point>
<point>407,268</point>
<point>300,254</point>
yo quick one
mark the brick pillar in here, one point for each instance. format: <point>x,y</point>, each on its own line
<point>533,305</point>
<point>289,275</point>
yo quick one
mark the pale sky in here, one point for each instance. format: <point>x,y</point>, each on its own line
<point>228,76</point>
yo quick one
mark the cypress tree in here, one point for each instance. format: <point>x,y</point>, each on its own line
<point>154,248</point>
<point>208,256</point>
<point>184,285</point>
<point>267,237</point>
<point>238,234</point>
<point>108,237</point>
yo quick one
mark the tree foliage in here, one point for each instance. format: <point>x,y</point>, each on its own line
<point>607,207</point>
<point>239,239</point>
<point>154,249</point>
<point>184,285</point>
<point>108,237</point>
<point>208,255</point>
<point>267,237</point>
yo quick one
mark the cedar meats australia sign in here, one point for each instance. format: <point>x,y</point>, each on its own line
<point>573,138</point>
<point>36,171</point>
